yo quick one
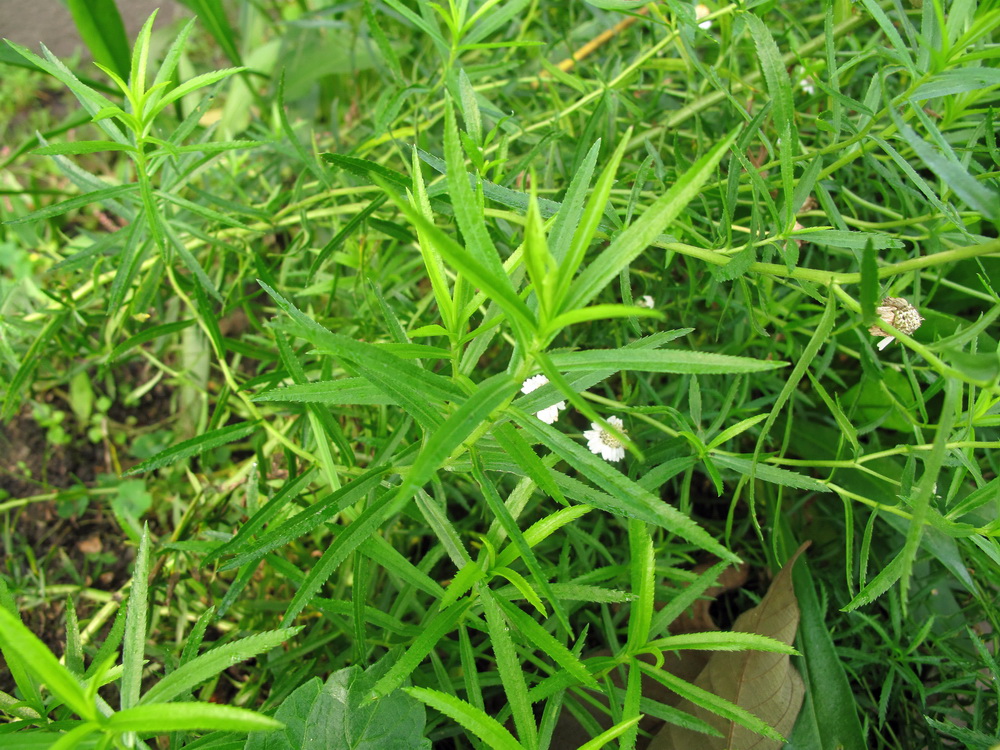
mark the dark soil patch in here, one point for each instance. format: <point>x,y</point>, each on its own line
<point>30,465</point>
<point>49,548</point>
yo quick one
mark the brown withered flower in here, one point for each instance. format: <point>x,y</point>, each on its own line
<point>898,313</point>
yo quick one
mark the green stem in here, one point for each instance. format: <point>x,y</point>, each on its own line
<point>227,373</point>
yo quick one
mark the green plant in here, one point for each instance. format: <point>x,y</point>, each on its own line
<point>695,229</point>
<point>65,696</point>
<point>152,202</point>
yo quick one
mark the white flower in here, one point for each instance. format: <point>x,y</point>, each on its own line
<point>645,301</point>
<point>700,11</point>
<point>549,414</point>
<point>807,85</point>
<point>603,443</point>
<point>898,313</point>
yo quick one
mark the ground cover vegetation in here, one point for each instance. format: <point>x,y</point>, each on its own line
<point>503,374</point>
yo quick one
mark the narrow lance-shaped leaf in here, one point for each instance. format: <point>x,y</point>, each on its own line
<point>637,237</point>
<point>433,630</point>
<point>302,523</point>
<point>582,233</point>
<point>509,525</point>
<point>499,288</point>
<point>463,201</point>
<point>545,642</point>
<point>57,209</point>
<point>490,395</point>
<point>36,658</point>
<point>212,663</point>
<point>763,690</point>
<point>568,217</point>
<point>631,500</point>
<point>134,646</point>
<point>100,25</point>
<point>477,721</point>
<point>449,436</point>
<point>179,717</point>
<point>664,360</point>
<point>869,284</point>
<point>195,447</point>
<point>779,87</point>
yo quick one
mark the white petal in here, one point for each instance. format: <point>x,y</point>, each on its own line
<point>885,342</point>
<point>550,414</point>
<point>594,442</point>
<point>533,383</point>
<point>700,11</point>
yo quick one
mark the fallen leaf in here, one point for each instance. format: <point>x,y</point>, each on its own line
<point>761,682</point>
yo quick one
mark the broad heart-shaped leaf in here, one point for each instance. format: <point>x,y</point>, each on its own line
<point>761,682</point>
<point>339,715</point>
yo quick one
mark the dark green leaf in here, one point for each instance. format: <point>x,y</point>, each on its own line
<point>101,28</point>
<point>195,447</point>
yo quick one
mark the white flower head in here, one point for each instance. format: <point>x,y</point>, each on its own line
<point>603,443</point>
<point>805,81</point>
<point>898,313</point>
<point>701,11</point>
<point>550,413</point>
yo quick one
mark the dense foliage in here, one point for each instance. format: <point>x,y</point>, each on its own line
<point>405,374</point>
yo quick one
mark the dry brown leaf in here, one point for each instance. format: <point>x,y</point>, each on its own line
<point>763,683</point>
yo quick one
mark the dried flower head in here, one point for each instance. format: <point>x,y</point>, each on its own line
<point>603,443</point>
<point>798,228</point>
<point>898,313</point>
<point>550,413</point>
